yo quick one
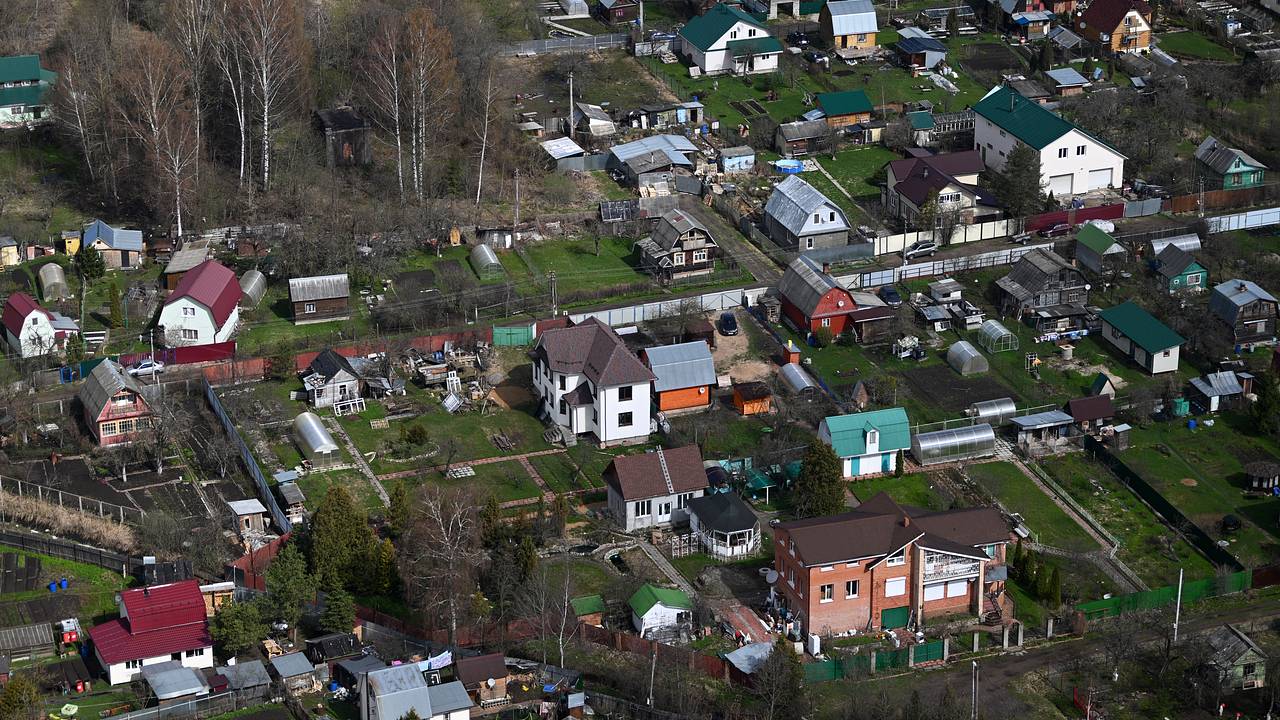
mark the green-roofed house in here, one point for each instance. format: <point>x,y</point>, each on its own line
<point>589,609</point>
<point>868,442</point>
<point>1072,162</point>
<point>1146,340</point>
<point>1096,250</point>
<point>728,40</point>
<point>845,108</point>
<point>24,91</point>
<point>658,610</point>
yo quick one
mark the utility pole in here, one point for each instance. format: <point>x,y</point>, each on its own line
<point>973,711</point>
<point>1177,608</point>
<point>516,224</point>
<point>653,668</point>
<point>572,133</point>
<point>1200,199</point>
<point>555,303</point>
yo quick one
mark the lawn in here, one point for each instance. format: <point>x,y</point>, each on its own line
<point>854,168</point>
<point>95,586</point>
<point>271,324</point>
<point>589,577</point>
<point>1018,494</point>
<point>506,481</point>
<point>560,473</point>
<point>911,489</point>
<point>578,266</point>
<point>1194,45</point>
<point>1147,546</point>
<point>857,215</point>
<point>316,484</point>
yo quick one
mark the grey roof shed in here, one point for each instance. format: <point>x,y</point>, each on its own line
<point>319,287</point>
<point>677,367</point>
<point>293,664</point>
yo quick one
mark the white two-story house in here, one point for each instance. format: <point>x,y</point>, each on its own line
<point>654,489</point>
<point>32,331</point>
<point>588,382</point>
<point>156,624</point>
<point>1072,162</point>
<point>204,308</point>
<point>728,40</point>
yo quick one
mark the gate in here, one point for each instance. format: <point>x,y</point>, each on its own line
<point>892,618</point>
<point>929,652</point>
<point>891,659</point>
<point>513,336</point>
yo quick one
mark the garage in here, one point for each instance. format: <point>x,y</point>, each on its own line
<point>1061,185</point>
<point>1099,179</point>
<point>892,618</point>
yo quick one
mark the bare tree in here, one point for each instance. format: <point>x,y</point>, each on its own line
<point>548,600</point>
<point>229,56</point>
<point>269,34</point>
<point>441,555</point>
<point>191,25</point>
<point>483,135</point>
<point>431,85</point>
<point>384,85</point>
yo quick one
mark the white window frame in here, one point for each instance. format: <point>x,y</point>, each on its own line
<point>895,587</point>
<point>677,258</point>
<point>699,256</point>
<point>826,322</point>
<point>188,311</point>
<point>827,593</point>
<point>851,588</point>
<point>642,508</point>
<point>1062,153</point>
<point>190,334</point>
<point>1081,149</point>
<point>897,559</point>
<point>308,308</point>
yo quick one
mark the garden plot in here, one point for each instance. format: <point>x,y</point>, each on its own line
<point>987,61</point>
<point>1017,493</point>
<point>943,388</point>
<point>917,489</point>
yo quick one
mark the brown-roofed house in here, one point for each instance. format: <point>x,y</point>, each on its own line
<point>588,382</point>
<point>654,488</point>
<point>950,178</point>
<point>885,565</point>
<point>1121,26</point>
<point>1091,412</point>
<point>475,673</point>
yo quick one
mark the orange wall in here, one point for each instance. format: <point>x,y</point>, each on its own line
<point>751,407</point>
<point>686,398</point>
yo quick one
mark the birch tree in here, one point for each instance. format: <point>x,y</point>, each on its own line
<point>431,78</point>
<point>384,85</point>
<point>229,56</point>
<point>190,25</point>
<point>83,95</point>
<point>270,36</point>
<point>440,554</point>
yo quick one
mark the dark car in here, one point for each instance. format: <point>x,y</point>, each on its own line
<point>798,38</point>
<point>728,324</point>
<point>814,56</point>
<point>890,295</point>
<point>1056,230</point>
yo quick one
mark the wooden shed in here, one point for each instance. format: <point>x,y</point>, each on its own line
<point>752,398</point>
<point>348,136</point>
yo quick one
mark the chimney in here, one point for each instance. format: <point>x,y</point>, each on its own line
<point>826,268</point>
<point>906,521</point>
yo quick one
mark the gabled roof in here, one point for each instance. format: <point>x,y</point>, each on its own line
<point>1105,15</point>
<point>686,365</point>
<point>702,32</point>
<point>1218,384</point>
<point>1173,261</point>
<point>852,17</point>
<point>17,308</point>
<point>475,670</point>
<point>1067,77</point>
<point>672,225</point>
<point>1141,327</point>
<point>20,68</point>
<point>649,595</point>
<point>212,285</point>
<point>319,287</point>
<point>914,45</point>
<point>1229,645</point>
<point>794,200</point>
<point>591,348</point>
<point>1028,121</point>
<point>163,606</point>
<point>245,674</point>
<point>657,474</point>
<point>156,620</point>
<point>115,644</point>
<point>849,432</point>
<point>342,119</point>
<point>114,238</point>
<point>328,364</point>
<point>293,664</point>
<point>1063,37</point>
<point>803,130</point>
<point>675,148</point>
<point>1220,158</point>
<point>1097,240</point>
<point>1089,409</point>
<point>1228,297</point>
<point>105,380</point>
<point>397,690</point>
<point>171,679</point>
<point>723,512</point>
<point>1032,272</point>
<point>847,102</point>
<point>587,605</point>
<point>917,178</point>
<point>804,285</point>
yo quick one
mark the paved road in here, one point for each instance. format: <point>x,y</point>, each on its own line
<point>733,243</point>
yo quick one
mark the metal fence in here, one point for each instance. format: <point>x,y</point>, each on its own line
<point>933,268</point>
<point>959,235</point>
<point>714,301</point>
<point>250,463</point>
<point>560,45</point>
<point>205,707</point>
<point>70,500</point>
<point>75,552</point>
<point>1244,220</point>
<point>1192,591</point>
<point>583,163</point>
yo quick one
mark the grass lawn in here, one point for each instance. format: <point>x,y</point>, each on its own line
<point>854,168</point>
<point>507,480</point>
<point>315,485</point>
<point>1018,494</point>
<point>912,489</point>
<point>1147,546</point>
<point>857,216</point>
<point>1194,45</point>
<point>271,324</point>
<point>95,586</point>
<point>589,577</point>
<point>578,267</point>
<point>561,474</point>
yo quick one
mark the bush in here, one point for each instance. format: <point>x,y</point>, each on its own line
<point>822,337</point>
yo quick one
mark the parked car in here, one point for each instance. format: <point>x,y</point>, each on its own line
<point>146,367</point>
<point>728,324</point>
<point>921,248</point>
<point>890,295</point>
<point>798,38</point>
<point>1020,238</point>
<point>1056,231</point>
<point>815,57</point>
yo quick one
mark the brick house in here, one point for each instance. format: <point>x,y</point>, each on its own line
<point>883,566</point>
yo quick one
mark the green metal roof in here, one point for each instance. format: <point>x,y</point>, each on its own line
<point>758,480</point>
<point>1094,238</point>
<point>19,68</point>
<point>1141,328</point>
<point>587,605</point>
<point>704,31</point>
<point>1026,120</point>
<point>754,46</point>
<point>23,95</point>
<point>648,595</point>
<point>848,102</point>
<point>849,432</point>
<point>920,120</point>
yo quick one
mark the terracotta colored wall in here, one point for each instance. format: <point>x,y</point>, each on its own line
<point>751,407</point>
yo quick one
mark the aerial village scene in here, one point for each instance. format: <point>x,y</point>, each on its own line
<point>640,359</point>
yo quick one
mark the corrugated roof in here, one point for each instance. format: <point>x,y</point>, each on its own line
<point>398,689</point>
<point>913,45</point>
<point>246,674</point>
<point>1221,158</point>
<point>476,669</point>
<point>847,102</point>
<point>1067,77</point>
<point>105,380</point>
<point>794,200</point>
<point>185,259</point>
<point>797,378</point>
<point>643,600</point>
<point>560,148</point>
<point>26,637</point>
<point>636,477</point>
<point>1173,261</point>
<point>1028,121</point>
<point>852,17</point>
<point>672,225</point>
<point>749,658</point>
<point>587,605</point>
<point>309,431</point>
<point>1229,645</point>
<point>687,365</point>
<point>1218,384</point>
<point>1097,240</point>
<point>291,493</point>
<point>1050,418</point>
<point>803,130</point>
<point>1141,327</point>
<point>920,120</point>
<point>114,238</point>
<point>703,31</point>
<point>1228,297</point>
<point>1089,409</point>
<point>319,287</point>
<point>171,679</point>
<point>1189,242</point>
<point>674,147</point>
<point>447,698</point>
<point>246,507</point>
<point>765,45</point>
<point>804,285</point>
<point>849,432</point>
<point>1063,37</point>
<point>292,665</point>
<point>212,285</point>
<point>19,68</point>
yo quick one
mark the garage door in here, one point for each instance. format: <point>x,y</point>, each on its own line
<point>895,618</point>
<point>1060,185</point>
<point>1099,179</point>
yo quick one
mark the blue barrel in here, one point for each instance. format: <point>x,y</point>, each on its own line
<point>53,587</point>
<point>333,687</point>
<point>1191,424</point>
<point>62,583</point>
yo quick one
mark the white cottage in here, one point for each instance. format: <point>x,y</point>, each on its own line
<point>655,488</point>
<point>157,624</point>
<point>204,308</point>
<point>728,40</point>
<point>32,331</point>
<point>655,609</point>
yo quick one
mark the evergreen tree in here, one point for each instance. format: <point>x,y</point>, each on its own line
<point>340,538</point>
<point>339,612</point>
<point>236,628</point>
<point>820,488</point>
<point>527,557</point>
<point>75,349</point>
<point>116,308</point>
<point>1019,184</point>
<point>387,571</point>
<point>1054,596</point>
<point>1266,410</point>
<point>90,263</point>
<point>398,512</point>
<point>1016,558</point>
<point>898,465</point>
<point>289,586</point>
<point>1046,55</point>
<point>1087,68</point>
<point>491,527</point>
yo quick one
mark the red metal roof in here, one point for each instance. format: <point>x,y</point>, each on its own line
<point>115,644</point>
<point>16,310</point>
<point>163,606</point>
<point>211,284</point>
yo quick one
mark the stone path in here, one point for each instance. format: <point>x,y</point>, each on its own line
<point>361,464</point>
<point>665,566</point>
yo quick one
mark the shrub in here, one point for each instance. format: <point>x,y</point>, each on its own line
<point>822,337</point>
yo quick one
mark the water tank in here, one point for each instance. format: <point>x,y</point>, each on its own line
<point>53,282</point>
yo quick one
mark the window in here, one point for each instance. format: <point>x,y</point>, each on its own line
<point>595,417</point>
<point>1062,152</point>
<point>862,37</point>
<point>951,197</point>
<point>564,407</point>
<point>1081,149</point>
<point>833,217</point>
<point>1001,135</point>
<point>791,577</point>
<point>850,589</point>
<point>851,564</point>
<point>751,32</point>
<point>990,550</point>
<point>561,382</point>
<point>189,334</point>
<point>826,593</point>
<point>188,312</point>
<point>733,34</point>
<point>176,656</point>
<point>827,568</point>
<point>826,322</point>
<point>624,393</point>
<point>1236,179</point>
<point>677,258</point>
<point>699,256</point>
<point>936,591</point>
<point>898,558</point>
<point>643,507</point>
<point>808,243</point>
<point>132,664</point>
<point>195,653</point>
<point>817,217</point>
<point>1248,668</point>
<point>895,587</point>
<point>791,547</point>
<point>308,308</point>
<point>664,509</point>
<point>1194,279</point>
<point>682,500</point>
<point>624,419</point>
<point>108,428</point>
<point>1167,353</point>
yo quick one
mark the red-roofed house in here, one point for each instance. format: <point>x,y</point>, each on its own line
<point>203,308</point>
<point>31,330</point>
<point>1119,25</point>
<point>156,624</point>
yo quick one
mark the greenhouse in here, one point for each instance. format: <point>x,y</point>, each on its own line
<point>995,412</point>
<point>253,285</point>
<point>798,380</point>
<point>485,261</point>
<point>945,446</point>
<point>965,359</point>
<point>996,337</point>
<point>53,282</point>
<point>314,440</point>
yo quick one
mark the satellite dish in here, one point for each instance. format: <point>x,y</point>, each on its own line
<point>490,682</point>
<point>771,577</point>
<point>1088,287</point>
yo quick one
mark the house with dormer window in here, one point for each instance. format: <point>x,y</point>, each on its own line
<point>867,443</point>
<point>653,489</point>
<point>727,40</point>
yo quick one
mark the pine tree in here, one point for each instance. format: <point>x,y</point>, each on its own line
<point>117,310</point>
<point>1087,68</point>
<point>90,263</point>
<point>1019,185</point>
<point>1054,596</point>
<point>1015,560</point>
<point>821,487</point>
<point>398,512</point>
<point>339,612</point>
<point>898,465</point>
<point>340,537</point>
<point>1266,410</point>
<point>527,557</point>
<point>237,627</point>
<point>289,586</point>
<point>387,571</point>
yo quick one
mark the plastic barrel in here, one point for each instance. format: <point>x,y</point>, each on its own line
<point>333,687</point>
<point>1191,424</point>
<point>62,583</point>
<point>53,587</point>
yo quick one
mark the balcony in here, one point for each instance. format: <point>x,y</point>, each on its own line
<point>944,567</point>
<point>127,410</point>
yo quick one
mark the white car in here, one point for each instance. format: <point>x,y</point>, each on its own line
<point>922,248</point>
<point>146,367</point>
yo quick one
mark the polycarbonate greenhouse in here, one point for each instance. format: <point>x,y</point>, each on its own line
<point>253,285</point>
<point>485,261</point>
<point>314,440</point>
<point>996,337</point>
<point>945,446</point>
<point>965,359</point>
<point>996,412</point>
<point>798,380</point>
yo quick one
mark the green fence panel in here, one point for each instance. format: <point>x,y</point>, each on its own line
<point>1192,591</point>
<point>87,366</point>
<point>892,659</point>
<point>928,652</point>
<point>513,336</point>
<point>821,671</point>
<point>855,666</point>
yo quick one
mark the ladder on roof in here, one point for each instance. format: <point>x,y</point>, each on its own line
<point>666,475</point>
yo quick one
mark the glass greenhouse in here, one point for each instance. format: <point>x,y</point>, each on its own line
<point>965,359</point>
<point>485,261</point>
<point>996,337</point>
<point>945,446</point>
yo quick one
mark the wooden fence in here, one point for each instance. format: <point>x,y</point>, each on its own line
<point>70,500</point>
<point>75,552</point>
